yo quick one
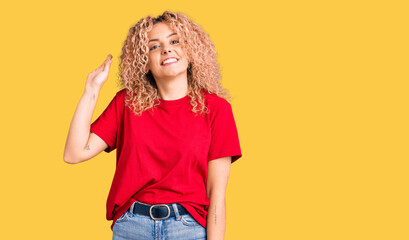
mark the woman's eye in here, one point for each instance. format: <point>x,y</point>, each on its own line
<point>177,41</point>
<point>153,47</point>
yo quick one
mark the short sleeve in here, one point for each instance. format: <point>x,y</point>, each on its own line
<point>225,139</point>
<point>106,125</point>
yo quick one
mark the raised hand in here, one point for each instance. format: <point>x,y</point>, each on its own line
<point>98,77</point>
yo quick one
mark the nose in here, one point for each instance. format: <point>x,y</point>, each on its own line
<point>166,50</point>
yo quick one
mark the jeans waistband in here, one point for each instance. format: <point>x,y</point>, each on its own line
<point>158,211</point>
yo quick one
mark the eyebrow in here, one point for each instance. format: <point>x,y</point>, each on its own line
<point>158,39</point>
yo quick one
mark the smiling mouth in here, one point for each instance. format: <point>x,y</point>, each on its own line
<point>169,61</point>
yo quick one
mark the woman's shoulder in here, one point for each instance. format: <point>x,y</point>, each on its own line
<point>121,93</point>
<point>214,99</point>
<point>119,99</point>
<point>215,103</point>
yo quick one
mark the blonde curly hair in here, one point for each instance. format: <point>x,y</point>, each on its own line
<point>202,73</point>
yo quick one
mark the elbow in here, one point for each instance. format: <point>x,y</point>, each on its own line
<point>69,159</point>
<point>216,193</point>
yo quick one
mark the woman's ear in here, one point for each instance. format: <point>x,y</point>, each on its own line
<point>146,69</point>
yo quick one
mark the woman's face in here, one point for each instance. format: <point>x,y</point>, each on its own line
<point>166,57</point>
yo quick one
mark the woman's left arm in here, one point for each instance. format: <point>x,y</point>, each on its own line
<point>217,177</point>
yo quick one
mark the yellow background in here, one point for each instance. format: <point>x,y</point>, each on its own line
<point>319,96</point>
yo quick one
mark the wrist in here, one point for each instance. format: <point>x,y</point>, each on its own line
<point>91,89</point>
<point>91,92</point>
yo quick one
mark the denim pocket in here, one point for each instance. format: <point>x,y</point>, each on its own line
<point>124,217</point>
<point>188,220</point>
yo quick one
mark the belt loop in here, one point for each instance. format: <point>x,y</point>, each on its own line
<point>175,209</point>
<point>132,207</point>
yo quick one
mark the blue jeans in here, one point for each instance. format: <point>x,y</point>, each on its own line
<point>140,227</point>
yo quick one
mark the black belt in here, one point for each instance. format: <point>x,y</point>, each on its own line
<point>158,211</point>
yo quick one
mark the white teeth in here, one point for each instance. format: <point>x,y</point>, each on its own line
<point>170,60</point>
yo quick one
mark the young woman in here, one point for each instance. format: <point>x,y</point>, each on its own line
<point>173,130</point>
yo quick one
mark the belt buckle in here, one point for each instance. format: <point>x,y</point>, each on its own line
<point>157,205</point>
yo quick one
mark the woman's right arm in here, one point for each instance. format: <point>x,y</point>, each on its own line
<point>81,144</point>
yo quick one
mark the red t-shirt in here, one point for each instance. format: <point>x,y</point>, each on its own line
<point>162,155</point>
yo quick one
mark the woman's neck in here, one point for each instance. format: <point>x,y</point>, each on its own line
<point>172,88</point>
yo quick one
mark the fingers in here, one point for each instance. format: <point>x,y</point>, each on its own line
<point>107,63</point>
<point>107,66</point>
<point>103,66</point>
